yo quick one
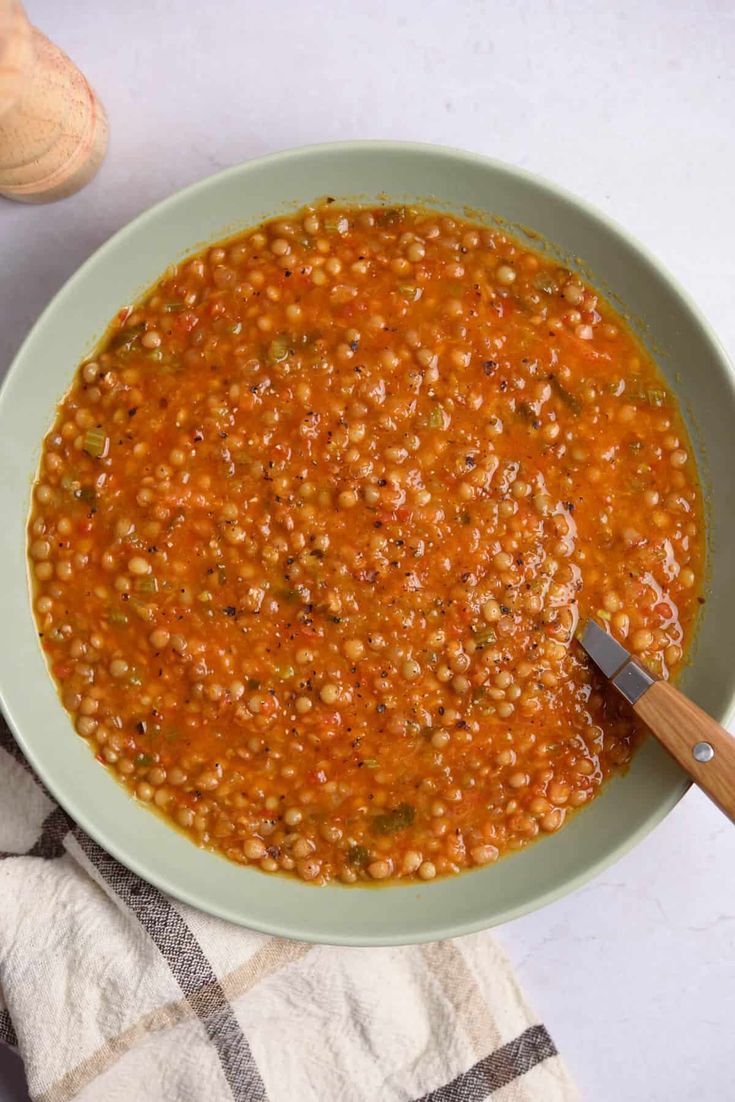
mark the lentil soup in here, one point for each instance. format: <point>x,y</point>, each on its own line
<point>314,529</point>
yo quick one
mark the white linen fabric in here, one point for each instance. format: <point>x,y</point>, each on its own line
<point>111,990</point>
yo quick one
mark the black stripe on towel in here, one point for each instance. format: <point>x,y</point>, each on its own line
<point>7,742</point>
<point>498,1068</point>
<point>56,826</point>
<point>191,970</point>
<point>7,1030</point>
<point>50,842</point>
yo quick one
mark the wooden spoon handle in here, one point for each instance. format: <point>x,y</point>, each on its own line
<point>704,749</point>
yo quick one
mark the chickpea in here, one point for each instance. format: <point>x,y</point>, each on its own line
<point>484,855</point>
<point>505,275</point>
<point>329,693</point>
<point>353,649</point>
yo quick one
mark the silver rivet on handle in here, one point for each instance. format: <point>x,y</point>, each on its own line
<point>703,752</point>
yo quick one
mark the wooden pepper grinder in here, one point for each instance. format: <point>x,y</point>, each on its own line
<point>53,129</point>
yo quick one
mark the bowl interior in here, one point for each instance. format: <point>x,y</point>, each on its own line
<point>357,172</point>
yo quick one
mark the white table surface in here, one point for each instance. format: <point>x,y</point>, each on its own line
<point>631,105</point>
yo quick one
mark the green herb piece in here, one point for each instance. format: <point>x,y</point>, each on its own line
<point>277,350</point>
<point>636,391</point>
<point>633,389</point>
<point>172,307</point>
<point>483,636</point>
<point>96,443</point>
<point>389,216</point>
<point>655,396</point>
<point>156,355</point>
<point>221,573</point>
<point>235,329</point>
<point>371,763</point>
<point>464,518</point>
<point>253,683</point>
<point>409,291</point>
<point>284,672</point>
<point>336,223</point>
<point>544,282</point>
<point>566,396</point>
<point>287,594</point>
<point>481,701</point>
<point>87,494</point>
<point>117,617</point>
<point>604,614</point>
<point>526,413</point>
<point>436,418</point>
<point>205,597</point>
<point>393,821</point>
<point>125,339</point>
<point>141,760</point>
<point>358,855</point>
<point>147,584</point>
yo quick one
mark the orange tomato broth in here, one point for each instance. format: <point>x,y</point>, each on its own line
<point>315,528</point>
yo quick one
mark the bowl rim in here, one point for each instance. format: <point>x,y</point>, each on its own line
<point>136,861</point>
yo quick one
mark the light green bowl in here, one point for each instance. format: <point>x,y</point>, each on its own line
<point>67,331</point>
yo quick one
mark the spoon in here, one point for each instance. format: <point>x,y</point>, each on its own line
<point>701,746</point>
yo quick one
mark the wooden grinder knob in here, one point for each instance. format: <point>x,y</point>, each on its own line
<point>53,129</point>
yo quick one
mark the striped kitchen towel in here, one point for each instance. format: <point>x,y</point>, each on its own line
<point>113,992</point>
